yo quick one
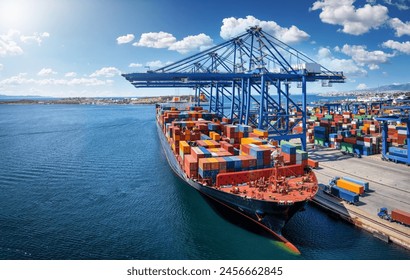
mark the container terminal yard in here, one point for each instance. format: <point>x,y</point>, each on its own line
<point>359,151</point>
<point>388,184</point>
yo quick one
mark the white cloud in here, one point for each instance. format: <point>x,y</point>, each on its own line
<point>232,27</point>
<point>361,86</point>
<point>46,72</point>
<point>400,4</point>
<point>125,39</point>
<point>403,47</point>
<point>190,43</point>
<point>135,65</point>
<point>19,79</point>
<point>70,74</point>
<point>156,40</point>
<point>35,38</point>
<point>354,21</point>
<point>373,66</point>
<point>362,57</point>
<point>400,27</point>
<point>86,82</point>
<point>22,79</point>
<point>162,40</point>
<point>155,64</point>
<point>348,66</point>
<point>107,72</point>
<point>8,44</point>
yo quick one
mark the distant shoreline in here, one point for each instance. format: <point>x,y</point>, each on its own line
<point>92,101</point>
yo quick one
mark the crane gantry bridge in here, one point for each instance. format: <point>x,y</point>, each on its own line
<point>247,79</point>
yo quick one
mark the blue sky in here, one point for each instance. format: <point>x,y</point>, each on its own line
<point>69,48</point>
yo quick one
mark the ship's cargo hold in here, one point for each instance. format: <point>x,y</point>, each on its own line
<point>350,186</point>
<point>346,195</point>
<point>400,216</point>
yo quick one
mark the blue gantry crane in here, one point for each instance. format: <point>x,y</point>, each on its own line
<point>396,154</point>
<point>247,79</point>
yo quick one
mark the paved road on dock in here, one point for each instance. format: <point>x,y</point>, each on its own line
<point>389,182</point>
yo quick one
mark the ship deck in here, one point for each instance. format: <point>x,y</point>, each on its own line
<point>298,189</point>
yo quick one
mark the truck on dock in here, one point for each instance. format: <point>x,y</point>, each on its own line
<point>356,186</point>
<point>342,194</point>
<point>396,215</point>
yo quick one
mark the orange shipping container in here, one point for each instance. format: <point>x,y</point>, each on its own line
<point>259,132</point>
<point>350,186</point>
<point>313,163</point>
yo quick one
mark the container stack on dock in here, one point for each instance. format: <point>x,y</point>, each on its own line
<point>350,133</point>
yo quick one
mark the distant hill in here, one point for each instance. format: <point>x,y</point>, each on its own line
<point>19,97</point>
<point>398,87</point>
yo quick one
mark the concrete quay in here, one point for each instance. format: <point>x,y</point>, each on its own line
<point>389,187</point>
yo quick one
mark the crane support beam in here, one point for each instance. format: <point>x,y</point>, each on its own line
<point>247,79</point>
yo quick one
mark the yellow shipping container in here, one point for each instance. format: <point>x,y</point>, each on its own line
<point>184,147</point>
<point>260,132</point>
<point>350,186</point>
<point>250,141</point>
<point>215,136</point>
<point>211,143</point>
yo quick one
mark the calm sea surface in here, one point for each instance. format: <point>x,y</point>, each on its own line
<point>91,182</point>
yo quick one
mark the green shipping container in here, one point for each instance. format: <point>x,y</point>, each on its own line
<point>346,147</point>
<point>319,142</point>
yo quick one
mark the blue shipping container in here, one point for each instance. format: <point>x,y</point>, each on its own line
<point>344,194</point>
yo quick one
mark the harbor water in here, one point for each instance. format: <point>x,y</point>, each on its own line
<point>92,182</point>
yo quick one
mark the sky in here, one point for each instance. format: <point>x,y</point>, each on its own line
<point>73,48</point>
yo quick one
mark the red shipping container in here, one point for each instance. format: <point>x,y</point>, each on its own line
<point>313,163</point>
<point>192,173</point>
<point>290,159</point>
<point>400,216</point>
<point>351,140</point>
<point>190,163</point>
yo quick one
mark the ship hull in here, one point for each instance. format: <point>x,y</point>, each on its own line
<point>270,215</point>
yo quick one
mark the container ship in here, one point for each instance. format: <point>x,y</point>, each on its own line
<point>236,165</point>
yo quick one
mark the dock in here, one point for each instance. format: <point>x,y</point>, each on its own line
<point>389,187</point>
